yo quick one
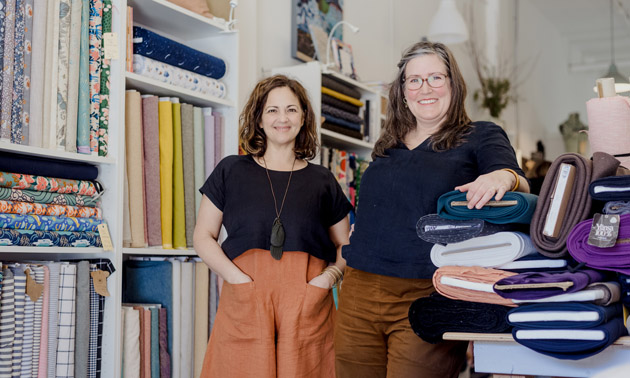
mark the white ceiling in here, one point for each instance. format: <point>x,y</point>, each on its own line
<point>586,26</point>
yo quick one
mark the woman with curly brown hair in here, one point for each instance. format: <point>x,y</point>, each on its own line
<point>286,220</point>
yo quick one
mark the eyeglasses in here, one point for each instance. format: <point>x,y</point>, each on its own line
<point>436,80</point>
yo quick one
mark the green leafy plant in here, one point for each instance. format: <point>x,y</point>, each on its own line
<point>494,94</point>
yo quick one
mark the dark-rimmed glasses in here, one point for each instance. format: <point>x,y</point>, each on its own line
<point>436,80</point>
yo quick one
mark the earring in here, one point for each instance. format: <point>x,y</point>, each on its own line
<point>405,102</point>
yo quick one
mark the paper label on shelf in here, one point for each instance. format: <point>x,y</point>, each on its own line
<point>99,278</point>
<point>106,240</point>
<point>33,289</point>
<point>110,45</point>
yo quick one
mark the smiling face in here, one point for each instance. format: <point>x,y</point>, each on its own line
<point>428,105</point>
<point>282,117</point>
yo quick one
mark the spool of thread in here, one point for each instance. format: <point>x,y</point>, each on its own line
<point>606,87</point>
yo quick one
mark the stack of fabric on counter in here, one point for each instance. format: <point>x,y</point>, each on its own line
<point>341,107</point>
<point>48,202</point>
<point>165,60</point>
<point>51,318</point>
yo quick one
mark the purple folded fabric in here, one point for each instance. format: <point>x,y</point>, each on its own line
<point>615,258</point>
<point>579,279</point>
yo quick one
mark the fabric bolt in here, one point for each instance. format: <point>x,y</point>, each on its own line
<point>198,147</point>
<point>33,196</point>
<point>341,114</point>
<point>43,339</point>
<point>617,207</point>
<point>38,57</point>
<point>93,326</point>
<point>165,359</point>
<point>106,266</point>
<point>82,329</point>
<point>83,100</point>
<point>155,46</point>
<point>188,165</point>
<point>46,184</point>
<point>579,205</point>
<point>470,283</point>
<point>218,136</point>
<point>202,288</point>
<point>39,276</point>
<point>562,315</point>
<point>179,200</point>
<point>608,119</point>
<point>6,96</point>
<point>176,337</point>
<point>624,281</point>
<point>151,146</point>
<point>145,333</point>
<point>178,77</point>
<point>187,319</point>
<point>613,188</point>
<point>131,342</point>
<point>20,306</point>
<point>21,134</point>
<point>615,258</point>
<point>155,342</point>
<point>340,86</point>
<point>534,262</point>
<point>48,223</point>
<point>51,74</point>
<point>430,317</point>
<point>74,50</point>
<point>342,97</point>
<point>209,143</point>
<point>339,104</point>
<point>53,317</point>
<point>520,213</point>
<point>103,118</point>
<point>30,238</point>
<point>486,251</point>
<point>17,207</point>
<point>17,107</point>
<point>342,130</point>
<point>2,17</point>
<point>165,111</point>
<point>67,321</point>
<point>434,229</point>
<point>26,365</point>
<point>62,75</point>
<point>574,348</point>
<point>44,166</point>
<point>7,323</point>
<point>341,122</point>
<point>95,38</point>
<point>539,285</point>
<point>134,160</point>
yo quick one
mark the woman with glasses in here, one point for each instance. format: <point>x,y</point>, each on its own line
<point>429,146</point>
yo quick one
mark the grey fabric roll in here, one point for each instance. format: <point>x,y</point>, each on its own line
<point>188,155</point>
<point>337,103</point>
<point>337,85</point>
<point>340,113</point>
<point>82,331</point>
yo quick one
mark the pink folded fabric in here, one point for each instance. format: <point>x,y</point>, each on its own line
<point>470,283</point>
<point>608,123</point>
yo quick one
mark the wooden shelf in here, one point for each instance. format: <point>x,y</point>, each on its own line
<point>179,22</point>
<point>55,154</point>
<point>159,252</point>
<point>151,86</point>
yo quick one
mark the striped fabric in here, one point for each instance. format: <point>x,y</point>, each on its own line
<point>53,317</point>
<point>7,323</point>
<point>26,366</point>
<point>39,276</point>
<point>82,330</point>
<point>107,266</point>
<point>66,323</point>
<point>20,294</point>
<point>93,326</point>
<point>43,349</point>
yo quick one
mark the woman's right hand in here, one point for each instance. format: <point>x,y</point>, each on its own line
<point>238,278</point>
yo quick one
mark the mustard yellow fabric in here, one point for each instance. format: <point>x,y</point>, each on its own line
<point>341,96</point>
<point>165,112</point>
<point>179,207</point>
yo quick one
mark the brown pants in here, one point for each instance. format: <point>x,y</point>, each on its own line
<point>277,325</point>
<point>373,337</point>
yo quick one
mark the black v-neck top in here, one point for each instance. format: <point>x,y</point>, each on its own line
<point>399,189</point>
<point>239,187</point>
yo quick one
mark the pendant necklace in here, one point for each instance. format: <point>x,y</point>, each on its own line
<point>277,230</point>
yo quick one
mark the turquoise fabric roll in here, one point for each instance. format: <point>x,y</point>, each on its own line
<point>83,114</point>
<point>520,213</point>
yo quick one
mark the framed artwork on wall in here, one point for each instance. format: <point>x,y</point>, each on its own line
<point>344,60</point>
<point>322,15</point>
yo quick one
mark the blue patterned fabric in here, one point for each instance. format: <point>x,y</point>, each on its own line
<point>29,238</point>
<point>167,51</point>
<point>48,223</point>
<point>17,110</point>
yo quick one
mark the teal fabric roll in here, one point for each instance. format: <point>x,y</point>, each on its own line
<point>155,342</point>
<point>83,116</point>
<point>520,213</point>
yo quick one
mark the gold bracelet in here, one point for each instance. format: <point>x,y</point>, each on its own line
<point>334,272</point>
<point>518,180</point>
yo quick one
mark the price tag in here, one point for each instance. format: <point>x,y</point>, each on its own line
<point>99,278</point>
<point>110,45</point>
<point>106,240</point>
<point>604,230</point>
<point>33,289</point>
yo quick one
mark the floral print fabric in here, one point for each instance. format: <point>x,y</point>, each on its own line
<point>28,238</point>
<point>46,184</point>
<point>33,196</point>
<point>15,207</point>
<point>48,223</point>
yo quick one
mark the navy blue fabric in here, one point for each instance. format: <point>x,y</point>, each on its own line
<point>576,349</point>
<point>606,313</point>
<point>617,182</point>
<point>400,188</point>
<point>520,213</point>
<point>617,207</point>
<point>537,257</point>
<point>239,187</point>
<point>342,122</point>
<point>39,166</point>
<point>162,49</point>
<point>624,281</point>
<point>580,280</point>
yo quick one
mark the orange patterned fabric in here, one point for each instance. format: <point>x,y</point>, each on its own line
<point>15,207</point>
<point>46,184</point>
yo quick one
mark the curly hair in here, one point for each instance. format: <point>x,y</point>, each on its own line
<point>253,138</point>
<point>400,120</point>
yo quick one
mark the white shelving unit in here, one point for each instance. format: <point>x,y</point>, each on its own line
<point>310,75</point>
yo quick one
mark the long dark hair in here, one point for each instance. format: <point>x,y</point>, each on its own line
<point>401,121</point>
<point>253,138</point>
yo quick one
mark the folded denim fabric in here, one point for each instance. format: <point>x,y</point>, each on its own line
<point>624,281</point>
<point>470,283</point>
<point>537,285</point>
<point>600,293</point>
<point>432,228</point>
<point>340,104</point>
<point>534,262</point>
<point>430,317</point>
<point>562,315</point>
<point>520,213</point>
<point>612,188</point>
<point>39,166</point>
<point>615,258</point>
<point>341,114</point>
<point>571,344</point>
<point>342,122</point>
<point>617,207</point>
<point>487,251</point>
<point>579,205</point>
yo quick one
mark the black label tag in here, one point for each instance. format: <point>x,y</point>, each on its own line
<point>604,230</point>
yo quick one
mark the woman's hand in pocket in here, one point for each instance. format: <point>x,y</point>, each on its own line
<point>323,281</point>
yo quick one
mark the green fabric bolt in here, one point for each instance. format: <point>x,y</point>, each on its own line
<point>104,93</point>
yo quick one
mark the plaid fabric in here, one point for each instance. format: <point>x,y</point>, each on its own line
<point>20,294</point>
<point>7,323</point>
<point>94,301</point>
<point>39,274</point>
<point>43,349</point>
<point>26,366</point>
<point>65,338</point>
<point>82,330</point>
<point>107,266</point>
<point>53,315</point>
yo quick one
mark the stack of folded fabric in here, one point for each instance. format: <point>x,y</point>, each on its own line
<point>341,105</point>
<point>48,202</point>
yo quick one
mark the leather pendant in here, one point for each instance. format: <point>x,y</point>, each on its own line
<point>277,239</point>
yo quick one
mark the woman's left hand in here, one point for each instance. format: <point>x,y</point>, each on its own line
<point>323,280</point>
<point>494,184</point>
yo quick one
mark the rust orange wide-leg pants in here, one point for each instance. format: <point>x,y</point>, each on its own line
<point>277,325</point>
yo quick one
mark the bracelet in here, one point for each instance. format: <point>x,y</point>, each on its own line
<point>334,272</point>
<point>518,180</point>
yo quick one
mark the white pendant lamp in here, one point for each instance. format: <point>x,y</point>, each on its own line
<point>621,81</point>
<point>448,25</point>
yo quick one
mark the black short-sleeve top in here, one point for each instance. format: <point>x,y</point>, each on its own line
<point>239,187</point>
<point>399,189</point>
